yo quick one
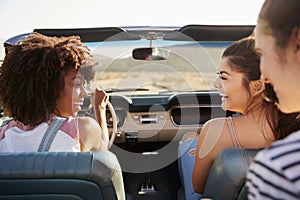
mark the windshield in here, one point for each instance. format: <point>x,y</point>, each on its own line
<point>188,66</point>
<point>19,17</point>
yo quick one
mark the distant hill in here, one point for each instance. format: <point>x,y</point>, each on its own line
<point>182,58</point>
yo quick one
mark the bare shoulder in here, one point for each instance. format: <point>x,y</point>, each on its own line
<point>86,119</point>
<point>215,123</point>
<point>88,123</point>
<point>217,120</point>
<point>212,130</point>
<point>212,139</point>
<point>90,133</point>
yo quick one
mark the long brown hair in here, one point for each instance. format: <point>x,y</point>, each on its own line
<point>245,60</point>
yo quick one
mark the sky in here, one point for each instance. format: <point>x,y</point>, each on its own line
<point>22,16</point>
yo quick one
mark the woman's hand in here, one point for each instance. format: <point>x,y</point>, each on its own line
<point>99,101</point>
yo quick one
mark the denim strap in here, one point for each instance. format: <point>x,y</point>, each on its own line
<point>50,134</point>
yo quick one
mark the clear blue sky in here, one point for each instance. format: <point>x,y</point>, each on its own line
<point>21,16</point>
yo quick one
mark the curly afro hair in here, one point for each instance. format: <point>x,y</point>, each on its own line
<point>32,75</point>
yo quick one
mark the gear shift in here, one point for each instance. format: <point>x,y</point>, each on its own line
<point>148,186</point>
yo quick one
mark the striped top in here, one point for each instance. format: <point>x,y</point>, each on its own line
<point>275,172</point>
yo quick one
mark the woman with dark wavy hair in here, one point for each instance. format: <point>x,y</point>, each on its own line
<point>259,124</point>
<point>41,81</point>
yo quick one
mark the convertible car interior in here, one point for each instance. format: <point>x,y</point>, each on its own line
<point>154,102</point>
<point>61,175</point>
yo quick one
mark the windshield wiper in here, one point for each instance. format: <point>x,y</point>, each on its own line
<point>125,90</point>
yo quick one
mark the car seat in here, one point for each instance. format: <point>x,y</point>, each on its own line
<point>61,175</point>
<point>226,179</point>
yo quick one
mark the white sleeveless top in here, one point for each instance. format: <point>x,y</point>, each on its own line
<point>15,137</point>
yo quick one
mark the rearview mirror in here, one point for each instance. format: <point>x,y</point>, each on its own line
<point>154,53</point>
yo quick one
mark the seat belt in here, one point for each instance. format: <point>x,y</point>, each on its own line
<point>50,134</point>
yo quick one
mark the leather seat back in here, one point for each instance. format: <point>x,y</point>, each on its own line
<point>228,174</point>
<point>61,175</point>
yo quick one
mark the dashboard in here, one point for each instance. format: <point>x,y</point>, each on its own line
<point>162,118</point>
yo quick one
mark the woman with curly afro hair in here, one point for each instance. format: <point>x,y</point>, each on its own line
<point>41,79</point>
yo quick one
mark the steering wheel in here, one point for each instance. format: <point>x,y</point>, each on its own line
<point>114,124</point>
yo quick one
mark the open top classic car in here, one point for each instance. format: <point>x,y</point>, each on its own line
<point>160,84</point>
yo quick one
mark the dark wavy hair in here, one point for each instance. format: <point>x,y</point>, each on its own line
<point>286,123</point>
<point>245,60</point>
<point>32,75</point>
